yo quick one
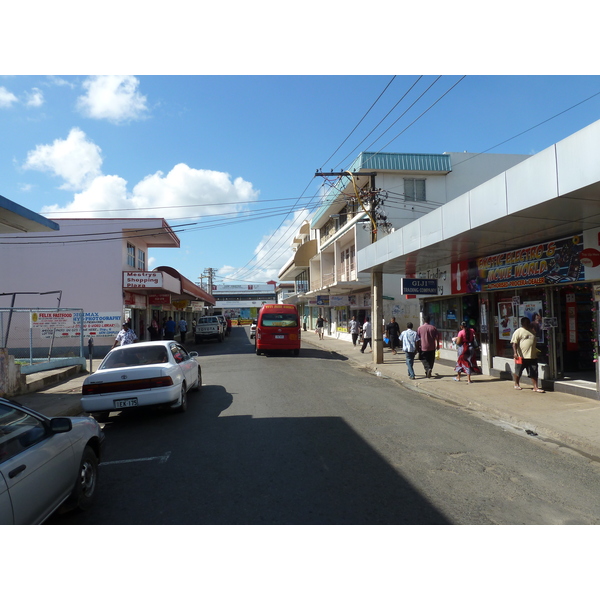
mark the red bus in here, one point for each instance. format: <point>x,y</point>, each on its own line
<point>278,328</point>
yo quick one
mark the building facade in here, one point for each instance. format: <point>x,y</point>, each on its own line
<point>523,243</point>
<point>378,194</point>
<point>101,267</point>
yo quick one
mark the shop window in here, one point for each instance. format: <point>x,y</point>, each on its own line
<point>130,255</point>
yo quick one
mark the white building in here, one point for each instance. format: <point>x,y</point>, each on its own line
<point>382,191</point>
<point>526,242</point>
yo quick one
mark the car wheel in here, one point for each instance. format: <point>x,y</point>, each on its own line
<point>84,491</point>
<point>199,382</point>
<point>296,351</point>
<point>182,404</point>
<point>258,352</point>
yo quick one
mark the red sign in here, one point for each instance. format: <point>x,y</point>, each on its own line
<point>590,257</point>
<point>159,299</point>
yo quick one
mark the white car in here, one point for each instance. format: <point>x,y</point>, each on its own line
<point>253,329</point>
<point>143,374</point>
<point>45,463</point>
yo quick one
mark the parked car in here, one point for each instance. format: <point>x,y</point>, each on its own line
<point>144,374</point>
<point>209,327</point>
<point>223,322</point>
<point>253,328</point>
<point>45,463</point>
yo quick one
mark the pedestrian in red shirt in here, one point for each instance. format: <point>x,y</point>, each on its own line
<point>428,344</point>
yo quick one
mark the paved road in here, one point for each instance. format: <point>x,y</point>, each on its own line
<point>314,440</point>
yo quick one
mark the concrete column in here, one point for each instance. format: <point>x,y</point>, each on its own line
<point>377,305</point>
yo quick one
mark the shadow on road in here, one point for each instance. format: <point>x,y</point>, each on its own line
<point>242,470</point>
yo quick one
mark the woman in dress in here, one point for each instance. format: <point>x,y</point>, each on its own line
<point>466,361</point>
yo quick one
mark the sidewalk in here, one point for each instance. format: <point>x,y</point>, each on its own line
<point>569,420</point>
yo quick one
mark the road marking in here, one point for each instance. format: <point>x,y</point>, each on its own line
<point>160,459</point>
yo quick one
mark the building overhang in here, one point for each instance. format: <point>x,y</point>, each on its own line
<point>551,195</point>
<point>15,218</point>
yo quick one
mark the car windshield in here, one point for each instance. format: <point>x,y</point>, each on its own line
<point>134,356</point>
<point>280,320</point>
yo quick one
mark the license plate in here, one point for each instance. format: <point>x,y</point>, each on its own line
<point>126,403</point>
<point>280,337</point>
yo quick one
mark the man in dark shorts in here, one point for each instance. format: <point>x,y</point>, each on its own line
<point>524,346</point>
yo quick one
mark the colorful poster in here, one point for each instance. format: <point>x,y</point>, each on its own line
<point>506,320</point>
<point>533,311</point>
<point>542,264</point>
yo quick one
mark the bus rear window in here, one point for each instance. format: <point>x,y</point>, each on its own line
<point>280,320</point>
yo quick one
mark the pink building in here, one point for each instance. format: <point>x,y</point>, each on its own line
<point>100,266</point>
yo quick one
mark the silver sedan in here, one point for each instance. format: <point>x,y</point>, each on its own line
<point>45,463</point>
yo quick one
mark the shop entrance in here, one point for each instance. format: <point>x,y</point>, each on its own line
<point>577,324</point>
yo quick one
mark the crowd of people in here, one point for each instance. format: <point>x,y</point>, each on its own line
<point>423,344</point>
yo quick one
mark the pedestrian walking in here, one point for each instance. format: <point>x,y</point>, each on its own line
<point>409,339</point>
<point>428,344</point>
<point>392,330</point>
<point>320,325</point>
<point>354,328</point>
<point>182,330</point>
<point>366,335</point>
<point>125,336</point>
<point>525,353</point>
<point>170,329</point>
<point>466,362</point>
<point>153,331</point>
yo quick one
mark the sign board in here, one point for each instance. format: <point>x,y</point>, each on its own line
<point>95,324</point>
<point>142,279</point>
<point>159,299</point>
<point>420,287</point>
<point>51,319</point>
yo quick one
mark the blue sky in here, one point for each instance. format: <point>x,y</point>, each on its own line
<point>237,154</point>
<point>220,117</point>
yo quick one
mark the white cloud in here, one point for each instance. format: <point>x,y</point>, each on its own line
<point>273,251</point>
<point>112,97</point>
<point>7,99</point>
<point>191,192</point>
<point>77,160</point>
<point>34,98</point>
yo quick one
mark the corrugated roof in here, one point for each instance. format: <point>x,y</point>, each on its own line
<point>393,161</point>
<point>386,161</point>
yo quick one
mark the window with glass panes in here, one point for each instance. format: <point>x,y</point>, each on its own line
<point>414,189</point>
<point>141,261</point>
<point>130,255</point>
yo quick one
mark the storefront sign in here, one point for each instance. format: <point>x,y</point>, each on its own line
<point>553,262</point>
<point>52,319</point>
<point>338,300</point>
<point>159,299</point>
<point>322,300</point>
<point>420,287</point>
<point>142,279</point>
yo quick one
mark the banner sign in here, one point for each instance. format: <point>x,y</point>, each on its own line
<point>549,263</point>
<point>95,324</point>
<point>427,287</point>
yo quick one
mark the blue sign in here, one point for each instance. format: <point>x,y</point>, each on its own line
<point>427,287</point>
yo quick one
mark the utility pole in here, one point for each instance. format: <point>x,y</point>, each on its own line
<point>209,274</point>
<point>376,278</point>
